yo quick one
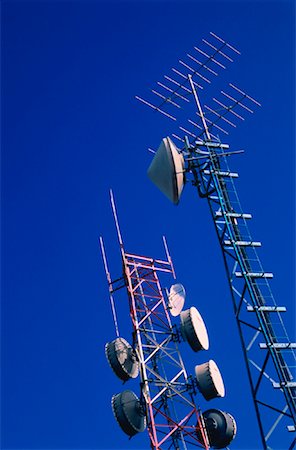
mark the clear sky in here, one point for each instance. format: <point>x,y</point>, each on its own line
<point>71,129</point>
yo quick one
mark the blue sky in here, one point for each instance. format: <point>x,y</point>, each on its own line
<point>71,129</point>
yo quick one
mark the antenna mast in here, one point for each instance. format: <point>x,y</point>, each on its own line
<point>166,402</point>
<point>199,107</point>
<point>268,352</point>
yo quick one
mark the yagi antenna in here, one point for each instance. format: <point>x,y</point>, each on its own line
<point>110,286</point>
<point>194,74</point>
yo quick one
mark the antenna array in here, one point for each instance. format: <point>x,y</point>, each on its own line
<point>166,404</point>
<point>269,353</point>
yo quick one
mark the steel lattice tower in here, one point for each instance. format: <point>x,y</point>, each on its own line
<point>258,317</point>
<point>167,393</point>
<point>203,159</point>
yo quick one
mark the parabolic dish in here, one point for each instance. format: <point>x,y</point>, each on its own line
<point>128,412</point>
<point>209,380</point>
<point>194,330</point>
<point>220,426</point>
<point>122,359</point>
<point>176,299</point>
<point>166,170</point>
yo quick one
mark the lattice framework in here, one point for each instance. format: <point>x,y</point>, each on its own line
<point>270,363</point>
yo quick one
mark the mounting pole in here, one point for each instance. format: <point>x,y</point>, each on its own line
<point>169,256</point>
<point>116,223</point>
<point>199,107</point>
<point>110,286</point>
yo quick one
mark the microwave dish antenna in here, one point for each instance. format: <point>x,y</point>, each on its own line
<point>221,428</point>
<point>122,359</point>
<point>194,330</point>
<point>166,170</point>
<point>129,412</point>
<point>177,297</point>
<point>209,380</point>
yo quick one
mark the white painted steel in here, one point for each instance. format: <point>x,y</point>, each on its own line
<point>279,345</point>
<point>289,384</point>
<point>254,274</point>
<point>243,243</point>
<point>267,308</point>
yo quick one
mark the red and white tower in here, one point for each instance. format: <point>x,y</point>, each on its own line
<point>165,404</point>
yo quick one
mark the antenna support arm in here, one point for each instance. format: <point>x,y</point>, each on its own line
<point>200,111</point>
